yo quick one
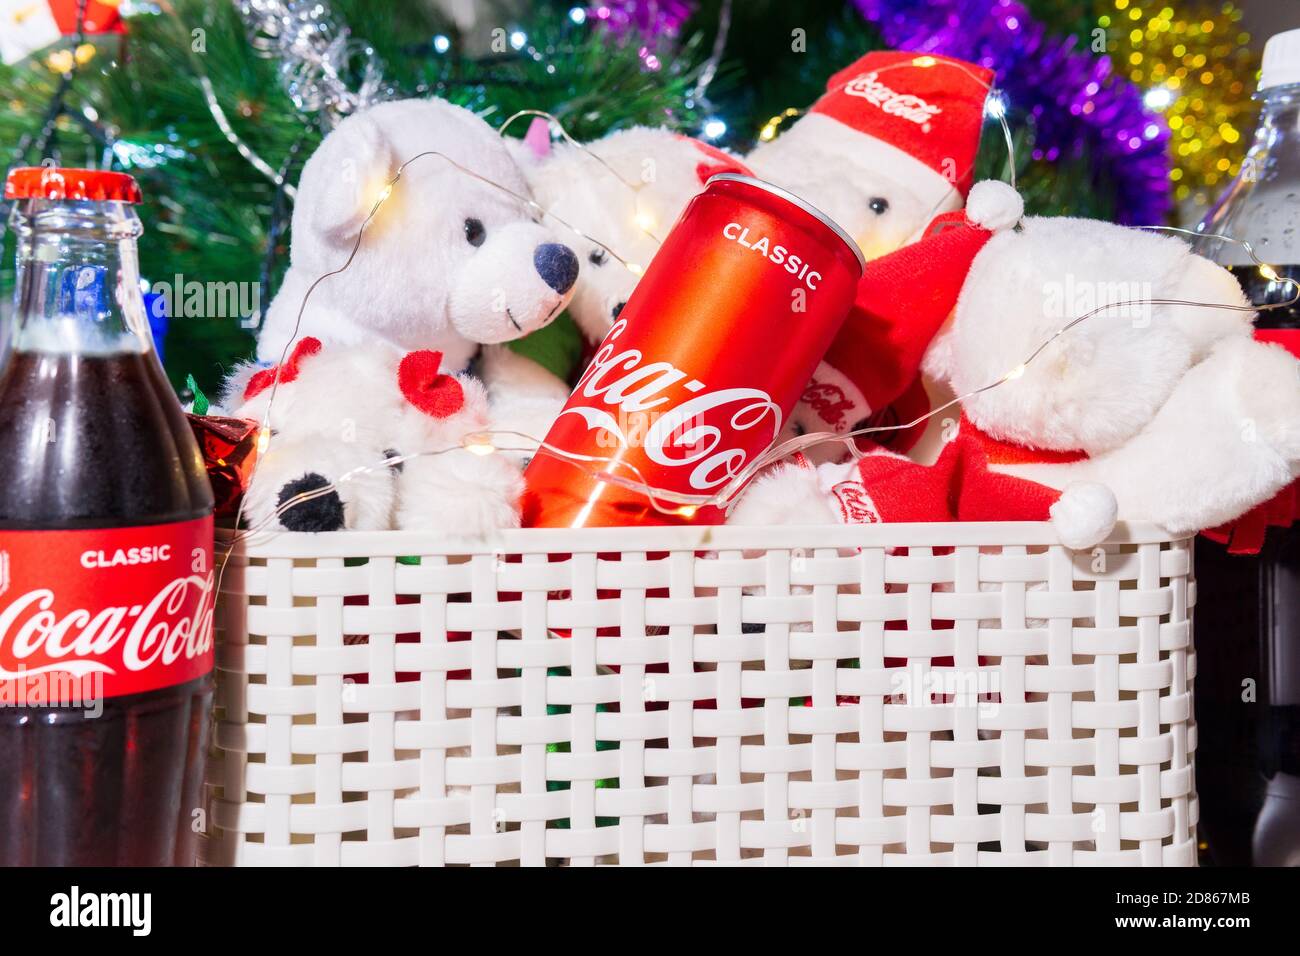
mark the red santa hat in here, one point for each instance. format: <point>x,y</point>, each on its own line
<point>917,116</point>
<point>902,301</point>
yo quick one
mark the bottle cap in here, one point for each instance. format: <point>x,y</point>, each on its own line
<point>52,182</point>
<point>1281,61</point>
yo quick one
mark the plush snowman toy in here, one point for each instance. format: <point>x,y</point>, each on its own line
<point>890,146</point>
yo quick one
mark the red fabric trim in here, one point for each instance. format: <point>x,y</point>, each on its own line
<point>1289,339</point>
<point>1008,453</point>
<point>717,160</point>
<point>286,372</point>
<point>1246,534</point>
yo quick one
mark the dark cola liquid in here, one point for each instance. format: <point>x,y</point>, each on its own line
<point>105,790</point>
<point>1248,682</point>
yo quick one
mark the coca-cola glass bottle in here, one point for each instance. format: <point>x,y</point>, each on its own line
<point>1248,606</point>
<point>106,577</point>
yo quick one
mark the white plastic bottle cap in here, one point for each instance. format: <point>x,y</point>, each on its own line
<point>1281,60</point>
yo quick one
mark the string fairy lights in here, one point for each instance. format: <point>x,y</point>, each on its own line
<point>773,125</point>
<point>643,217</point>
<point>663,500</point>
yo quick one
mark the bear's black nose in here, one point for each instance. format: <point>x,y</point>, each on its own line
<point>557,265</point>
<point>616,310</point>
<point>321,513</point>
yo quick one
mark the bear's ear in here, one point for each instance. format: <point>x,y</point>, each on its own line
<point>538,138</point>
<point>531,152</point>
<point>344,178</point>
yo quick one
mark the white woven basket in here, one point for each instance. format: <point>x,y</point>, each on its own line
<point>917,694</point>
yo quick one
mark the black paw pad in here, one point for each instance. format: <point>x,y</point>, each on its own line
<point>322,511</point>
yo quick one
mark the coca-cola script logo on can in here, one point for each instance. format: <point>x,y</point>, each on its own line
<point>679,435</point>
<point>131,607</point>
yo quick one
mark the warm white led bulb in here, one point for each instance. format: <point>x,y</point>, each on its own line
<point>478,444</point>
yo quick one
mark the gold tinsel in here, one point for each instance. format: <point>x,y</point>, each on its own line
<point>1199,70</point>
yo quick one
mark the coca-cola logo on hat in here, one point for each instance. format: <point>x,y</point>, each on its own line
<point>907,106</point>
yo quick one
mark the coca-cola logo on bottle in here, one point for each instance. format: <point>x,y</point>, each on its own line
<point>696,434</point>
<point>136,626</point>
<point>170,626</point>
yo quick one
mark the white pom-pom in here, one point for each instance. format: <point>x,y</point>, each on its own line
<point>994,205</point>
<point>1085,514</point>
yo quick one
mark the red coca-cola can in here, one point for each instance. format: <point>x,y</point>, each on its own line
<point>703,365</point>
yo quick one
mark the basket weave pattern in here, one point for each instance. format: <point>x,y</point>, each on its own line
<point>911,694</point>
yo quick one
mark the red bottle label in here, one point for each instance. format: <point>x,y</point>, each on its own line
<point>104,612</point>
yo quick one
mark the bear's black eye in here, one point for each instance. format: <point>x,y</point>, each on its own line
<point>879,205</point>
<point>597,257</point>
<point>474,232</point>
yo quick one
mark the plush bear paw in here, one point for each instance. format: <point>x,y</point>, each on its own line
<point>313,485</point>
<point>459,494</point>
<point>788,495</point>
<point>1085,514</point>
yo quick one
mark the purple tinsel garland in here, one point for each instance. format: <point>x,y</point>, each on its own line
<point>650,18</point>
<point>1078,104</point>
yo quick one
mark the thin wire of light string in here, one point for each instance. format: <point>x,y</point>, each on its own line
<point>264,429</point>
<point>656,495</point>
<point>670,502</point>
<point>923,60</point>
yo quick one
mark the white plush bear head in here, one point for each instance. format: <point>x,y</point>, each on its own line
<point>1101,382</point>
<point>448,262</point>
<point>625,190</point>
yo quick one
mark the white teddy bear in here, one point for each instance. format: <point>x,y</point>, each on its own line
<point>449,262</point>
<point>1154,409</point>
<point>349,431</point>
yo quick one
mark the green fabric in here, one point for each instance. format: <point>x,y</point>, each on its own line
<point>557,347</point>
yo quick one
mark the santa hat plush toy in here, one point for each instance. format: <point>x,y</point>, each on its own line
<point>891,144</point>
<point>30,25</point>
<point>870,375</point>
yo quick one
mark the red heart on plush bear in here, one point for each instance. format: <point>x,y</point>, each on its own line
<point>426,388</point>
